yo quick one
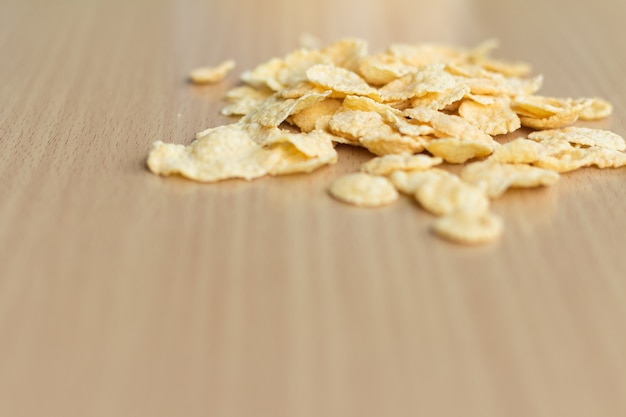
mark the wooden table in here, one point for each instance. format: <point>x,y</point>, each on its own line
<point>127,294</point>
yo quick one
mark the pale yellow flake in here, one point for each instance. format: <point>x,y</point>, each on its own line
<point>457,151</point>
<point>387,164</point>
<point>210,75</point>
<point>407,182</point>
<point>381,69</point>
<point>495,178</point>
<point>364,190</point>
<point>596,109</point>
<point>244,99</point>
<point>428,79</point>
<point>340,80</point>
<point>518,151</point>
<point>469,227</point>
<point>356,124</point>
<point>448,125</point>
<point>444,194</point>
<point>441,100</point>
<point>346,53</point>
<point>583,136</point>
<point>223,152</point>
<point>317,116</point>
<point>273,111</point>
<point>495,118</point>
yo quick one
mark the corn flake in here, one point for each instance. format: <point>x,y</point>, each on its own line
<point>428,79</point>
<point>385,165</point>
<point>222,153</point>
<point>340,80</point>
<point>392,144</point>
<point>407,182</point>
<point>444,194</point>
<point>457,151</point>
<point>448,125</point>
<point>317,116</point>
<point>518,151</point>
<point>495,178</point>
<point>469,227</point>
<point>364,190</point>
<point>275,110</point>
<point>583,136</point>
<point>441,100</point>
<point>494,118</point>
<point>210,75</point>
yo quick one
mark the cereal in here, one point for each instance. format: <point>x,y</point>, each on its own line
<point>447,125</point>
<point>495,178</point>
<point>210,75</point>
<point>441,100</point>
<point>273,111</point>
<point>469,228</point>
<point>385,165</point>
<point>244,99</point>
<point>540,112</point>
<point>340,80</point>
<point>454,103</point>
<point>224,152</point>
<point>583,136</point>
<point>407,182</point>
<point>596,109</point>
<point>317,116</point>
<point>428,79</point>
<point>364,190</point>
<point>357,124</point>
<point>494,118</point>
<point>457,151</point>
<point>444,194</point>
<point>518,151</point>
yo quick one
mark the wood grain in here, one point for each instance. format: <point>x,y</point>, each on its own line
<point>126,294</point>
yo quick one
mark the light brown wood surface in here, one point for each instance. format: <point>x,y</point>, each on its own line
<point>127,294</point>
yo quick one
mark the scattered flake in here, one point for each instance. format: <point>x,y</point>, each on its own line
<point>244,99</point>
<point>494,118</point>
<point>317,116</point>
<point>222,153</point>
<point>428,79</point>
<point>367,104</point>
<point>539,112</point>
<point>407,182</point>
<point>457,151</point>
<point>448,125</point>
<point>357,124</point>
<point>340,80</point>
<point>346,53</point>
<point>275,110</point>
<point>309,41</point>
<point>364,190</point>
<point>288,159</point>
<point>495,178</point>
<point>469,227</point>
<point>444,194</point>
<point>383,68</point>
<point>583,136</point>
<point>386,165</point>
<point>439,101</point>
<point>518,151</point>
<point>392,144</point>
<point>300,89</point>
<point>596,109</point>
<point>210,75</point>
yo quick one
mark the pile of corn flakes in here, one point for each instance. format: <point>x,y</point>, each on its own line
<point>414,107</point>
